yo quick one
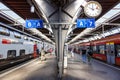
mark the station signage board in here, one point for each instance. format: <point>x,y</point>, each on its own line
<point>34,23</point>
<point>86,23</point>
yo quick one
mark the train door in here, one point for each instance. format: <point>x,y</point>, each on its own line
<point>110,53</point>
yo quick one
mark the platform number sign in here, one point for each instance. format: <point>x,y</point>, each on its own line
<point>34,23</point>
<point>86,23</point>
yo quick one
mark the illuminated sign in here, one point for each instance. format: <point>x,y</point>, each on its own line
<point>86,23</point>
<point>34,23</point>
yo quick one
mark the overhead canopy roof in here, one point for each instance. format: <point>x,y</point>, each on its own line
<point>48,10</point>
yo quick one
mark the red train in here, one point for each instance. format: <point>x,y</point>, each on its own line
<point>105,49</point>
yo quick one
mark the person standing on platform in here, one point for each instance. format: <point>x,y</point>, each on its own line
<point>72,54</point>
<point>43,55</point>
<point>50,51</point>
<point>38,52</point>
<point>89,55</point>
<point>84,56</point>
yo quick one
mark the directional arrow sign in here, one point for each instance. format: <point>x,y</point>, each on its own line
<point>34,23</point>
<point>86,23</point>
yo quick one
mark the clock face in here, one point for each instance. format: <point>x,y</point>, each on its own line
<point>92,9</point>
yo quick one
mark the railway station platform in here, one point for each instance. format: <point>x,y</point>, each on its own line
<point>33,70</point>
<point>77,70</point>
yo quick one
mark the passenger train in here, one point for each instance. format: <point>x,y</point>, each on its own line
<point>15,46</point>
<point>106,49</point>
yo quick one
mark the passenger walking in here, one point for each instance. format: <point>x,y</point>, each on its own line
<point>84,56</point>
<point>72,54</point>
<point>38,52</point>
<point>43,55</point>
<point>89,55</point>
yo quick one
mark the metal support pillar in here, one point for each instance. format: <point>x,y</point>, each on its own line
<point>60,39</point>
<point>55,32</point>
<point>60,52</point>
<point>60,65</point>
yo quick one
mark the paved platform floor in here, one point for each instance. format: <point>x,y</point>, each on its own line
<point>77,70</point>
<point>34,70</point>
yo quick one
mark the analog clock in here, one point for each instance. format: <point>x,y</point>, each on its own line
<point>92,9</point>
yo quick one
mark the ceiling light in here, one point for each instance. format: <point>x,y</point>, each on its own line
<point>32,9</point>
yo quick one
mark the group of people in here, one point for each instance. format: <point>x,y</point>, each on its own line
<point>86,55</point>
<point>41,54</point>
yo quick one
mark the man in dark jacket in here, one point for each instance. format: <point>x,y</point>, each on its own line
<point>84,55</point>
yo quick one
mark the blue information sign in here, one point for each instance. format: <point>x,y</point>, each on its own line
<point>34,23</point>
<point>86,23</point>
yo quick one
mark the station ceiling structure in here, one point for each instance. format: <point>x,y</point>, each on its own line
<point>48,10</point>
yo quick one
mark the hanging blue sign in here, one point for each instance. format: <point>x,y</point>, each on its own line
<point>34,23</point>
<point>86,23</point>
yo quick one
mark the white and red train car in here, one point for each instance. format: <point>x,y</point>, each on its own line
<point>14,44</point>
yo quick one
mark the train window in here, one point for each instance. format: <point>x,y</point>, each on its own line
<point>11,54</point>
<point>31,40</point>
<point>22,52</point>
<point>4,31</point>
<point>17,35</point>
<point>102,49</point>
<point>94,49</point>
<point>36,42</point>
<point>118,50</point>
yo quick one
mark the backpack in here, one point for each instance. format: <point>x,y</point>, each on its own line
<point>90,53</point>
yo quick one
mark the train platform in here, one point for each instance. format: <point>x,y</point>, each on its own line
<point>33,70</point>
<point>77,70</point>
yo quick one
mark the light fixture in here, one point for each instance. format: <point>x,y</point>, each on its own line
<point>32,9</point>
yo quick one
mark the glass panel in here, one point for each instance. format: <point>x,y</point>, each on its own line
<point>4,31</point>
<point>95,49</point>
<point>2,6</point>
<point>107,33</point>
<point>11,13</point>
<point>11,54</point>
<point>108,15</point>
<point>115,31</point>
<point>102,49</point>
<point>102,35</point>
<point>17,35</point>
<point>118,50</point>
<point>31,40</point>
<point>22,52</point>
<point>100,20</point>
